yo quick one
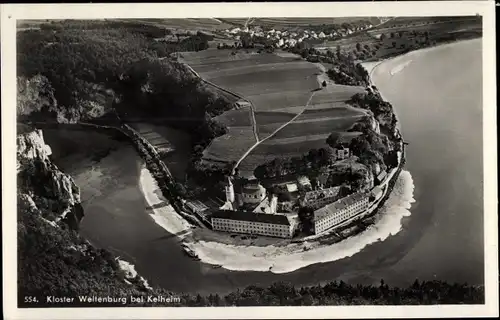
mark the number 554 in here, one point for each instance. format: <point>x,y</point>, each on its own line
<point>30,299</point>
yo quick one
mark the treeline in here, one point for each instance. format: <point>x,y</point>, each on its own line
<point>340,293</point>
<point>316,163</point>
<point>312,161</point>
<point>381,110</point>
<point>117,66</point>
<point>345,70</point>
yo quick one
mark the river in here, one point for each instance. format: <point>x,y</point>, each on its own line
<point>438,100</point>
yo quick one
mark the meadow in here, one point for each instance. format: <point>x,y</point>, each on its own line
<point>231,146</point>
<point>290,22</point>
<point>270,82</point>
<point>279,89</point>
<point>236,118</point>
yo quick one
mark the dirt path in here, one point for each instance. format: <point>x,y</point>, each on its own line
<point>273,133</point>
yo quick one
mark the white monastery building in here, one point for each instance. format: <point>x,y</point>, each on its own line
<point>319,198</point>
<point>253,192</point>
<point>339,211</point>
<point>273,225</point>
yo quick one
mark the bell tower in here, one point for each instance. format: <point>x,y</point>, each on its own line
<point>229,191</point>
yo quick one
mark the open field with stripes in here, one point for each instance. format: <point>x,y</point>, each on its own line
<point>277,23</point>
<point>290,111</point>
<point>326,113</point>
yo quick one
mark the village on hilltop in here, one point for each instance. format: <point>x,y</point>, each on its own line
<point>288,39</point>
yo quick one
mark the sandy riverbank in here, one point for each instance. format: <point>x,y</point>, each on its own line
<point>160,210</point>
<point>278,255</point>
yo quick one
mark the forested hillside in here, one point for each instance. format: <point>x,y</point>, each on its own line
<point>78,70</point>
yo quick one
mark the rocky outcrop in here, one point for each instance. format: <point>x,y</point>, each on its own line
<point>50,190</point>
<point>35,95</point>
<point>36,98</point>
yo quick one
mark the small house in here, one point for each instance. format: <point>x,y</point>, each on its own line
<point>304,181</point>
<point>342,153</point>
<point>381,177</point>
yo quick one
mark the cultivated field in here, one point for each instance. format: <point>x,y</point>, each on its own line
<point>202,24</point>
<point>278,23</point>
<point>291,115</point>
<point>270,82</point>
<point>231,146</point>
<point>326,113</point>
<point>236,118</point>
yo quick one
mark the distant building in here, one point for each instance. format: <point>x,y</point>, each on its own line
<point>339,211</point>
<point>292,187</point>
<point>341,153</point>
<point>304,181</point>
<point>377,192</point>
<point>273,225</point>
<point>268,205</point>
<point>380,177</point>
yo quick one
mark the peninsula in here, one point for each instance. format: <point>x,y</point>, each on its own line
<point>291,149</point>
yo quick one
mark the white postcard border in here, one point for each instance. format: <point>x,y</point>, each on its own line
<point>10,13</point>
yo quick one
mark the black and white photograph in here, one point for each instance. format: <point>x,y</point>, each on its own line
<point>175,160</point>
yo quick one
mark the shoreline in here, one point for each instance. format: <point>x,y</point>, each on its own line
<point>279,258</point>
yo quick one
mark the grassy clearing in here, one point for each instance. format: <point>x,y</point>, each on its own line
<point>313,114</point>
<point>264,130</point>
<point>278,23</point>
<point>224,59</point>
<point>335,93</point>
<point>327,106</point>
<point>289,149</point>
<point>318,127</point>
<point>186,24</point>
<point>264,118</point>
<point>297,139</point>
<point>348,43</point>
<point>254,66</point>
<point>231,146</point>
<point>213,55</point>
<point>236,118</point>
<point>269,80</point>
<point>279,100</point>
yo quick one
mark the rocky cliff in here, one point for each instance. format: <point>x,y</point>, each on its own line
<point>42,184</point>
<point>53,259</point>
<point>36,100</point>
